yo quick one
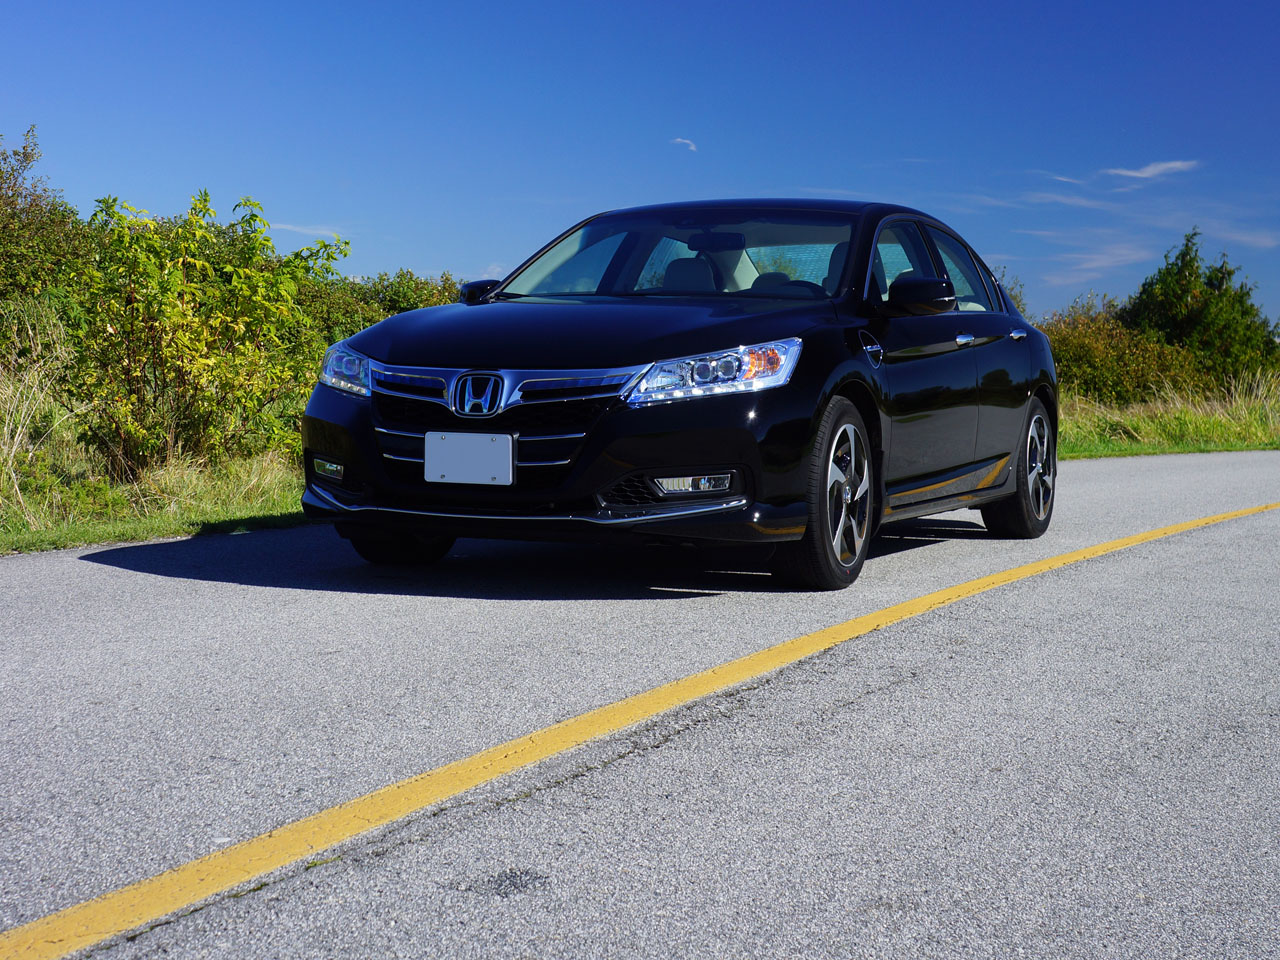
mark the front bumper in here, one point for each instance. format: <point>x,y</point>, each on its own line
<point>760,438</point>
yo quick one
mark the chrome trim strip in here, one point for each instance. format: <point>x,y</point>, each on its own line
<point>522,401</point>
<point>413,396</point>
<point>542,463</point>
<point>519,436</point>
<point>392,456</point>
<point>613,382</point>
<point>400,433</point>
<point>667,513</point>
<point>605,380</point>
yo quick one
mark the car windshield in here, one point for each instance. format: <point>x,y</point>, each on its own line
<point>703,253</point>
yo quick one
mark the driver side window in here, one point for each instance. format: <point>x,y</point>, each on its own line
<point>900,252</point>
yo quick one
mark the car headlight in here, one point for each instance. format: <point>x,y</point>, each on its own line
<point>740,370</point>
<point>345,369</point>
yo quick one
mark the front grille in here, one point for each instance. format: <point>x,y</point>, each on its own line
<point>632,491</point>
<point>528,419</point>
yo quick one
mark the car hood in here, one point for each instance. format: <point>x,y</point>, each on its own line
<point>580,334</point>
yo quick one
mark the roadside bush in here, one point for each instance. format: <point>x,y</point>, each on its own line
<point>43,242</point>
<point>1199,306</point>
<point>403,290</point>
<point>191,339</point>
<point>337,307</point>
<point>1100,358</point>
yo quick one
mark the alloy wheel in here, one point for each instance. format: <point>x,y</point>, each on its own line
<point>848,493</point>
<point>1041,467</point>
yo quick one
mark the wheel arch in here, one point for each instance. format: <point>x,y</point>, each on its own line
<point>1046,395</point>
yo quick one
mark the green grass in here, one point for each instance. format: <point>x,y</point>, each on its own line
<point>1245,416</point>
<point>180,499</point>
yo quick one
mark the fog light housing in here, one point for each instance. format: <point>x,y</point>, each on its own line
<point>327,469</point>
<point>707,483</point>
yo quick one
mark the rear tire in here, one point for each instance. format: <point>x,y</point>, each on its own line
<point>841,499</point>
<point>402,552</point>
<point>1026,514</point>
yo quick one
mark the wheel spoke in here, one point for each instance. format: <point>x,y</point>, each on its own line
<point>837,529</point>
<point>835,476</point>
<point>864,485</point>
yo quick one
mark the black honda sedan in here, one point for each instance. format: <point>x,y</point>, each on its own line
<point>773,371</point>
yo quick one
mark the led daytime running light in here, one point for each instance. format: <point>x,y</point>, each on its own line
<point>344,369</point>
<point>758,367</point>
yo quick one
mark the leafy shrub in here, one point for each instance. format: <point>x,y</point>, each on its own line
<point>1100,358</point>
<point>337,307</point>
<point>1199,306</point>
<point>191,339</point>
<point>43,242</point>
<point>401,291</point>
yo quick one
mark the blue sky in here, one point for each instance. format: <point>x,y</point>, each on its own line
<point>1072,143</point>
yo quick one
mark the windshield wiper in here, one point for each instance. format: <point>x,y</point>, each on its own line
<point>506,295</point>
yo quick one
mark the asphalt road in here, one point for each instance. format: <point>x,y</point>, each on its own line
<point>1083,764</point>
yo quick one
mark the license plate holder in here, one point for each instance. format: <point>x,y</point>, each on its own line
<point>478,458</point>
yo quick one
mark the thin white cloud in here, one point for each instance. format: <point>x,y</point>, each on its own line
<point>1055,176</point>
<point>1262,239</point>
<point>1064,279</point>
<point>1096,262</point>
<point>1155,169</point>
<point>1110,256</point>
<point>1067,199</point>
<point>984,200</point>
<point>309,231</point>
<point>689,143</point>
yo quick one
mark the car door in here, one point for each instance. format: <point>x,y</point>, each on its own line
<point>999,351</point>
<point>931,378</point>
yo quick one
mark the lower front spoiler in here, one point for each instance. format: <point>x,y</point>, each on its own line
<point>733,519</point>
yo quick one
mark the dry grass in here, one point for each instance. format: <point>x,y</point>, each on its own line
<point>180,498</point>
<point>1244,416</point>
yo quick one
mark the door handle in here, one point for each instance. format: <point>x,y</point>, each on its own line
<point>964,339</point>
<point>1017,333</point>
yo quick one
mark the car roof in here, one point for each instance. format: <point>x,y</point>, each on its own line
<point>816,204</point>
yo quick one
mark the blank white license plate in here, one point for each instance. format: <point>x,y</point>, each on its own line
<point>470,458</point>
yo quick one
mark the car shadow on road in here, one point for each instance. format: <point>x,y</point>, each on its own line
<point>903,535</point>
<point>315,558</point>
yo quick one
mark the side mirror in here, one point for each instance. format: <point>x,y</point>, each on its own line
<point>920,297</point>
<point>476,290</point>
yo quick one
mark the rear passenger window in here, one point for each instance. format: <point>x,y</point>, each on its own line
<point>971,292</point>
<point>900,252</point>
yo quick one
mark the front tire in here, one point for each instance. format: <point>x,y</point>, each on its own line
<point>402,552</point>
<point>1026,514</point>
<point>841,499</point>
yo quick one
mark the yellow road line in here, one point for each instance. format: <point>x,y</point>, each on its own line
<point>152,899</point>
